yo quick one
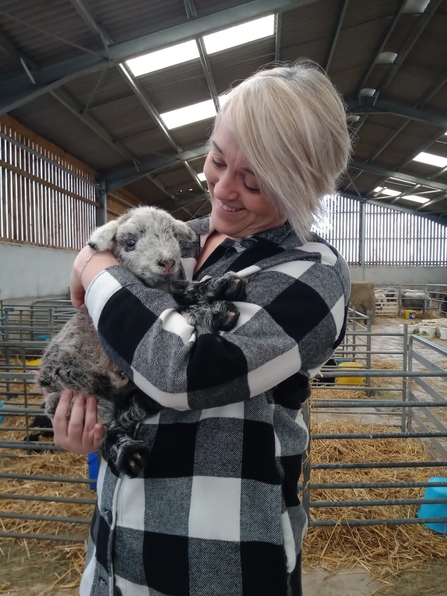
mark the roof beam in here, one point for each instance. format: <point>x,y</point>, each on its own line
<point>120,177</point>
<point>425,98</point>
<point>278,37</point>
<point>336,35</point>
<point>367,167</point>
<point>421,23</point>
<point>90,20</point>
<point>386,107</point>
<point>381,46</point>
<point>191,13</point>
<point>19,90</point>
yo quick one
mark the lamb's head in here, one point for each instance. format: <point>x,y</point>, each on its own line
<point>146,241</point>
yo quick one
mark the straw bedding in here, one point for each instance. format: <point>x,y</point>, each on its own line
<point>380,549</point>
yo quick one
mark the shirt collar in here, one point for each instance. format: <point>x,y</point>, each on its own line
<point>203,228</point>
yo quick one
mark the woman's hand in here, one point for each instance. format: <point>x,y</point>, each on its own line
<point>81,433</point>
<point>86,267</point>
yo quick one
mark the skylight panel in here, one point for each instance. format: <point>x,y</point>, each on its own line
<point>415,6</point>
<point>188,114</point>
<point>183,52</point>
<point>389,192</point>
<point>240,34</point>
<point>415,199</point>
<point>431,159</point>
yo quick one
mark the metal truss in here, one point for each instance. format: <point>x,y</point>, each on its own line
<point>145,101</point>
<point>20,90</point>
<point>336,35</point>
<point>367,105</point>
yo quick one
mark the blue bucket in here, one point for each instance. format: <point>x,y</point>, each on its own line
<point>93,465</point>
<point>435,510</point>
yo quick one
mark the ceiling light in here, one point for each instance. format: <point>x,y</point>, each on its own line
<point>177,54</point>
<point>236,36</point>
<point>415,6</point>
<point>353,118</point>
<point>367,92</point>
<point>415,199</point>
<point>201,177</point>
<point>389,192</point>
<point>188,114</point>
<point>431,159</point>
<point>386,58</point>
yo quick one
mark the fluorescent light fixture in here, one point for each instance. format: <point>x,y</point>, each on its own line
<point>183,52</point>
<point>431,159</point>
<point>415,6</point>
<point>353,118</point>
<point>367,92</point>
<point>415,199</point>
<point>386,58</point>
<point>188,114</point>
<point>240,34</point>
<point>389,192</point>
<point>201,177</point>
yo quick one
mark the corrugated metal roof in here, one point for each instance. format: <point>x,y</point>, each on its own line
<point>39,28</point>
<point>177,86</point>
<point>132,18</point>
<point>68,133</point>
<point>307,31</point>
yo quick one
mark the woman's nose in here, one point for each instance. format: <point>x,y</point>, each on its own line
<point>226,188</point>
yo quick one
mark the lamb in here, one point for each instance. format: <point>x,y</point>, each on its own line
<point>146,241</point>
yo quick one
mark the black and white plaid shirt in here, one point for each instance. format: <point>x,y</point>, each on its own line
<point>217,513</point>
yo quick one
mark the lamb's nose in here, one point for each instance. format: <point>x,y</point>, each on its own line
<point>167,264</point>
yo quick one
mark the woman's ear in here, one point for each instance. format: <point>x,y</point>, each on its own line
<point>103,236</point>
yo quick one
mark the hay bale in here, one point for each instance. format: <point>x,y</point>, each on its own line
<point>362,296</point>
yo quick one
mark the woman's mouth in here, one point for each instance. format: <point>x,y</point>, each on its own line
<point>226,208</point>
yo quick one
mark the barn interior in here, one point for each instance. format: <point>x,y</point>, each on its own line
<point>90,99</point>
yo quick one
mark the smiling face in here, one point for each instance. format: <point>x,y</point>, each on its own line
<point>239,208</point>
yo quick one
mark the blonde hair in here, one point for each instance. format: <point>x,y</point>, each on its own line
<point>290,124</point>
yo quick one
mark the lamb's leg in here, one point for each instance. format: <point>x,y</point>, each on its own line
<point>128,455</point>
<point>215,316</point>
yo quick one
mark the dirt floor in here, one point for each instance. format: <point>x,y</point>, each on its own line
<point>32,568</point>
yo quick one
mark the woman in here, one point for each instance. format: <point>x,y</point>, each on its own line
<point>217,512</point>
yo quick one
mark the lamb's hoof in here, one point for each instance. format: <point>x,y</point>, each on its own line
<point>231,287</point>
<point>229,318</point>
<point>132,459</point>
<point>228,287</point>
<point>235,289</point>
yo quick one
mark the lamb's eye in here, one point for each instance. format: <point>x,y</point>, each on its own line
<point>130,244</point>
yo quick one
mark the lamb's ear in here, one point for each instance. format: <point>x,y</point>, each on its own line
<point>103,236</point>
<point>184,232</point>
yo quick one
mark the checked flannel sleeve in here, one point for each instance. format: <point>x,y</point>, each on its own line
<point>290,323</point>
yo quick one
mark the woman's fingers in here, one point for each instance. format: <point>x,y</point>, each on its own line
<point>98,436</point>
<point>60,420</point>
<point>75,424</point>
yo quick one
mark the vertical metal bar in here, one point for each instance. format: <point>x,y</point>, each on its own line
<point>409,392</point>
<point>307,461</point>
<point>101,211</point>
<point>405,379</point>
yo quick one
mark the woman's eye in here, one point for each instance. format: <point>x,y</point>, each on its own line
<point>217,164</point>
<point>251,189</point>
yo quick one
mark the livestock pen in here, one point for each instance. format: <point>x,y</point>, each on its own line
<point>378,437</point>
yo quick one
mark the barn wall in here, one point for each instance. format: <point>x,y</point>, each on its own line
<point>33,272</point>
<point>400,275</point>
